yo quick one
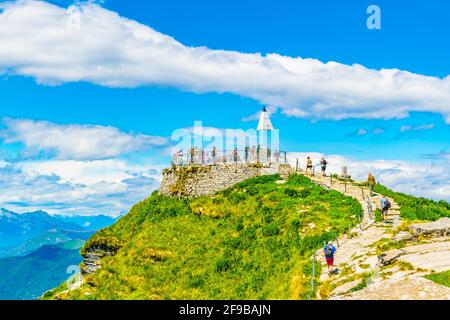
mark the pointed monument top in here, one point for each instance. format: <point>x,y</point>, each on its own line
<point>264,121</point>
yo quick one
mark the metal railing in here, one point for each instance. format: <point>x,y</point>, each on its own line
<point>205,157</point>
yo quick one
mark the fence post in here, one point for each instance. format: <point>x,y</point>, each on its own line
<point>345,184</point>
<point>296,166</point>
<point>285,157</point>
<point>313,272</point>
<point>331,180</point>
<point>337,240</point>
<point>349,231</point>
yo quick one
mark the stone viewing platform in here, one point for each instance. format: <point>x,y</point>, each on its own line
<point>198,180</point>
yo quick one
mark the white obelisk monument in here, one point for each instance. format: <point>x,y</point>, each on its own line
<point>265,128</point>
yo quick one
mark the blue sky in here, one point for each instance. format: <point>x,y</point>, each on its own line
<point>412,38</point>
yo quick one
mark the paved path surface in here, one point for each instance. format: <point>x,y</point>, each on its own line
<point>357,259</point>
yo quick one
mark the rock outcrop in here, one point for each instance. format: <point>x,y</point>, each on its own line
<point>92,257</point>
<point>439,228</point>
<point>403,236</point>
<point>390,256</point>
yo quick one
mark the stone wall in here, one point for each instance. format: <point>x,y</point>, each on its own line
<point>195,181</point>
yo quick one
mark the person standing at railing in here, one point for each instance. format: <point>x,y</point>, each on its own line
<point>214,154</point>
<point>309,165</point>
<point>253,154</point>
<point>191,156</point>
<point>180,157</point>
<point>235,155</point>
<point>323,165</point>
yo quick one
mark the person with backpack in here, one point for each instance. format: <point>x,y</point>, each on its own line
<point>323,165</point>
<point>329,251</point>
<point>385,206</point>
<point>309,166</point>
<point>371,182</point>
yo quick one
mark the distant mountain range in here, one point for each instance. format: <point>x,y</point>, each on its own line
<point>23,233</point>
<point>28,277</point>
<point>37,248</point>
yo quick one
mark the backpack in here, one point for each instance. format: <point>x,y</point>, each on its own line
<point>387,204</point>
<point>328,251</point>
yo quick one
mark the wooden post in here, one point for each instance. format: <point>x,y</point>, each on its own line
<point>296,166</point>
<point>313,272</point>
<point>331,180</point>
<point>337,240</point>
<point>345,184</point>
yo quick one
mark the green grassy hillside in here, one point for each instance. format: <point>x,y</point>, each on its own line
<point>251,241</point>
<point>414,208</point>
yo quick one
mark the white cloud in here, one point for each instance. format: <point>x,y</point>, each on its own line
<point>378,131</point>
<point>423,127</point>
<point>89,43</point>
<point>76,141</point>
<point>253,117</point>
<point>361,132</point>
<point>429,180</point>
<point>82,187</point>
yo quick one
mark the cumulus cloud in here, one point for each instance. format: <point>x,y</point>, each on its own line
<point>82,187</point>
<point>253,117</point>
<point>361,132</point>
<point>422,127</point>
<point>430,180</point>
<point>74,141</point>
<point>92,44</point>
<point>378,131</point>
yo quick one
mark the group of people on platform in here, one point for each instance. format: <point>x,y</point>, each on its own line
<point>197,155</point>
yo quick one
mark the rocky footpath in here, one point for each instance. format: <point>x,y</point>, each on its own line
<point>396,273</point>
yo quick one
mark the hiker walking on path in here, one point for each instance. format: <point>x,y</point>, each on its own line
<point>329,251</point>
<point>323,165</point>
<point>309,165</point>
<point>385,205</point>
<point>371,183</point>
